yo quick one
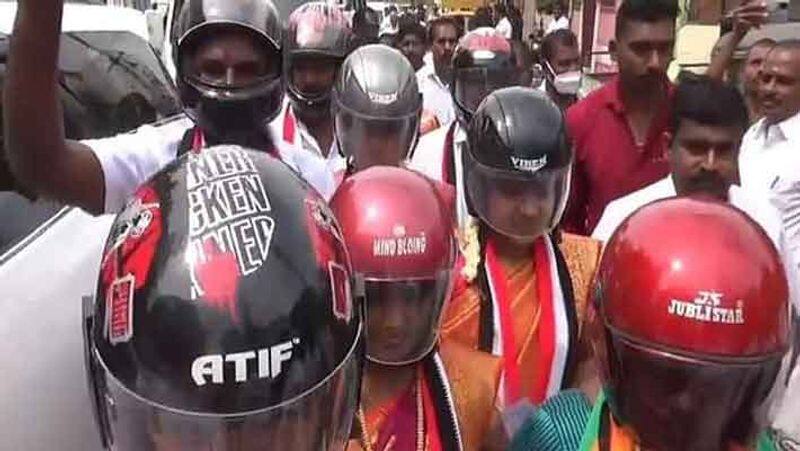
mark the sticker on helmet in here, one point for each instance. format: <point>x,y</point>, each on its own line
<point>133,222</point>
<point>399,245</point>
<point>323,217</point>
<point>119,310</point>
<point>269,363</point>
<point>227,205</point>
<point>340,291</point>
<point>529,165</point>
<point>707,307</point>
<point>382,99</point>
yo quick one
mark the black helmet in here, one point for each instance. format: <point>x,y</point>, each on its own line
<point>517,151</point>
<point>220,106</point>
<point>318,32</point>
<point>223,316</point>
<point>366,25</point>
<point>377,104</point>
<point>483,61</point>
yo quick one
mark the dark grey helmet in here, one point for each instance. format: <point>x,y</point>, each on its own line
<point>211,102</point>
<point>377,104</point>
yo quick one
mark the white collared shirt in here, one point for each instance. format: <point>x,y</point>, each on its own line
<point>130,159</point>
<point>752,201</point>
<point>770,153</point>
<point>557,24</point>
<point>428,156</point>
<point>304,142</point>
<point>504,28</point>
<point>429,160</point>
<point>436,96</point>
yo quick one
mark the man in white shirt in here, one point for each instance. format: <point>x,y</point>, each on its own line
<point>709,119</point>
<point>483,62</point>
<point>319,39</point>
<point>503,24</point>
<point>434,80</point>
<point>560,21</point>
<point>770,148</point>
<point>561,58</point>
<point>229,79</point>
<point>770,160</point>
<point>412,41</point>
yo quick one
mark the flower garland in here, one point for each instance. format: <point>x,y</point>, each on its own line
<point>470,245</point>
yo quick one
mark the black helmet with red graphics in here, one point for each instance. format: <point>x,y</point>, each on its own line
<point>224,317</point>
<point>317,41</point>
<point>229,101</point>
<point>482,62</point>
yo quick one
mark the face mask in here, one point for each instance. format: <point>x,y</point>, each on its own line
<point>566,84</point>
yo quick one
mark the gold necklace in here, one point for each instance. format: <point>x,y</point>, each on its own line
<point>366,440</point>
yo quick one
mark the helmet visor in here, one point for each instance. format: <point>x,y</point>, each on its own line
<point>256,69</point>
<point>677,402</point>
<point>320,419</point>
<point>472,85</point>
<point>515,204</point>
<point>403,318</point>
<point>310,76</point>
<point>372,141</point>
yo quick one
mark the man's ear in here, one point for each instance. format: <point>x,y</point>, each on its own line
<point>612,49</point>
<point>666,141</point>
<point>667,138</point>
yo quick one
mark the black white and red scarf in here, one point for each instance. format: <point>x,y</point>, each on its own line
<point>443,403</point>
<point>558,326</point>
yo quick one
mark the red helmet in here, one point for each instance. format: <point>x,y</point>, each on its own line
<point>693,302</point>
<point>399,230</point>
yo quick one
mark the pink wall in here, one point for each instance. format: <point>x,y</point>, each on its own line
<point>603,34</point>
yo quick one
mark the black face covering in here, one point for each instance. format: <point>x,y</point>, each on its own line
<point>242,122</point>
<point>232,115</point>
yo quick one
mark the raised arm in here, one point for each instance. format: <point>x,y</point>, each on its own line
<point>751,14</point>
<point>42,160</point>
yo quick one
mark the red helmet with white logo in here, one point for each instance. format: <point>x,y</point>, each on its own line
<point>224,318</point>
<point>399,230</point>
<point>692,322</point>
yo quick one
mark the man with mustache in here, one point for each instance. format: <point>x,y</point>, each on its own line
<point>317,42</point>
<point>769,149</point>
<point>709,120</point>
<point>769,160</point>
<point>617,130</point>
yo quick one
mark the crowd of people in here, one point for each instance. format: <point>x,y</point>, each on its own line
<point>399,238</point>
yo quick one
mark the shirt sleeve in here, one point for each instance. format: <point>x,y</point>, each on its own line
<point>129,159</point>
<point>575,216</point>
<point>785,198</point>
